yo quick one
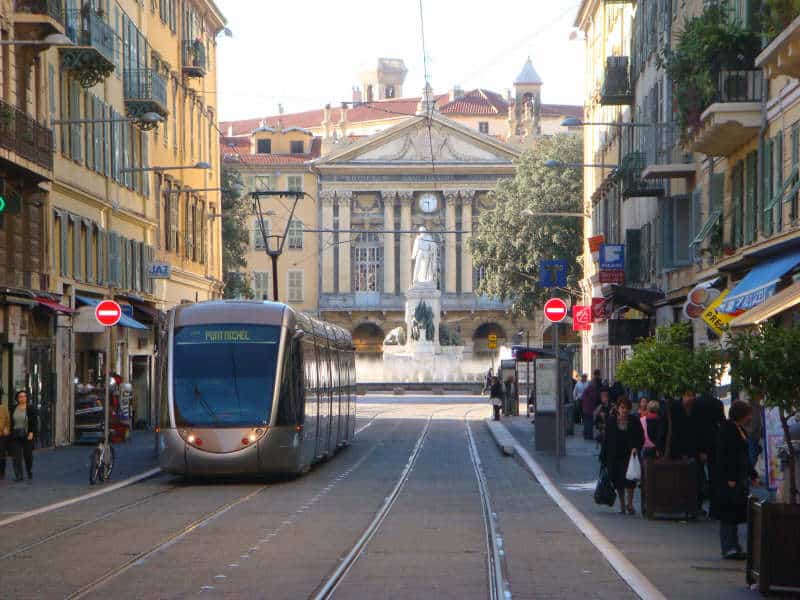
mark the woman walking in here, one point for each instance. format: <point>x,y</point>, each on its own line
<point>734,474</point>
<point>623,439</point>
<point>23,429</point>
<point>650,421</point>
<point>496,396</point>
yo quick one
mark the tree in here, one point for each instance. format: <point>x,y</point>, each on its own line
<point>665,365</point>
<point>235,236</point>
<point>509,244</point>
<point>764,363</point>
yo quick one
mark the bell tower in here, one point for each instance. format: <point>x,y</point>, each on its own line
<point>527,101</point>
<point>385,81</point>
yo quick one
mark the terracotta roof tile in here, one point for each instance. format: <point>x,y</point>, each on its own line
<point>266,159</point>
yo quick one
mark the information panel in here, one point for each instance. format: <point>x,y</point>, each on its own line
<point>546,385</point>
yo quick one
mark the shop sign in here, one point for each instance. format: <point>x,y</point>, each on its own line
<point>612,257</point>
<point>159,270</point>
<point>612,276</point>
<point>595,243</point>
<point>699,299</point>
<point>599,312</point>
<point>581,318</point>
<point>717,321</point>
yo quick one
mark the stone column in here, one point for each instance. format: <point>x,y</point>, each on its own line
<point>344,199</point>
<point>406,239</point>
<point>388,242</point>
<point>449,241</point>
<point>467,197</point>
<point>326,241</point>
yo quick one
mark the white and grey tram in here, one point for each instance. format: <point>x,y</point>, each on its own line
<point>249,387</point>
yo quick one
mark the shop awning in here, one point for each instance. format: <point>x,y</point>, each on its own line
<point>783,300</point>
<point>55,306</point>
<point>759,284</point>
<point>125,321</point>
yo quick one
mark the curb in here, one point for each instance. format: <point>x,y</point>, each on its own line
<point>502,437</point>
<point>632,576</point>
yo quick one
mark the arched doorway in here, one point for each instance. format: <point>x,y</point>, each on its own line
<point>480,339</point>
<point>368,340</point>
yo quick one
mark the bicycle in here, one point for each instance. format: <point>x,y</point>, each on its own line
<point>102,463</point>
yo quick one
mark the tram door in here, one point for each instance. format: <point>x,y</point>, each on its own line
<point>42,392</point>
<point>323,377</point>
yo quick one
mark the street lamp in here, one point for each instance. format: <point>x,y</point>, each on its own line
<point>560,164</point>
<point>273,244</point>
<point>54,39</point>
<point>197,165</point>
<point>576,122</point>
<point>147,121</point>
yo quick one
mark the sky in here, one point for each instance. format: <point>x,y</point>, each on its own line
<point>303,54</point>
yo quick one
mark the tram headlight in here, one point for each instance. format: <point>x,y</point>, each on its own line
<point>252,437</point>
<point>190,438</point>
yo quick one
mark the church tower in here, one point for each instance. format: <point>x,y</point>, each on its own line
<point>385,81</point>
<point>527,101</point>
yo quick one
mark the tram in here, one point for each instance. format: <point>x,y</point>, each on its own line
<point>250,388</point>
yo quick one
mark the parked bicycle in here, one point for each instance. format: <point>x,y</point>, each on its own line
<point>102,463</point>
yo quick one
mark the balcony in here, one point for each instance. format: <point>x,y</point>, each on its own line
<point>630,171</point>
<point>782,56</point>
<point>194,58</point>
<point>735,116</point>
<point>91,59</point>
<point>145,91</point>
<point>616,89</point>
<point>36,19</point>
<point>25,143</point>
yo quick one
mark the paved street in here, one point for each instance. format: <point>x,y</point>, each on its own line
<point>166,538</point>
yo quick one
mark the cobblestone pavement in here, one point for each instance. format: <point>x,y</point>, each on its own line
<point>681,558</point>
<point>283,538</point>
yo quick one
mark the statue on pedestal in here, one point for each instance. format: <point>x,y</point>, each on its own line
<point>426,258</point>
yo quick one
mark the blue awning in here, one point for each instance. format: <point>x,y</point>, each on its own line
<point>759,284</point>
<point>125,321</point>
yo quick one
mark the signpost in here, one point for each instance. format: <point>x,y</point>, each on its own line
<point>612,263</point>
<point>491,341</point>
<point>581,318</point>
<point>553,273</point>
<point>108,313</point>
<point>555,311</point>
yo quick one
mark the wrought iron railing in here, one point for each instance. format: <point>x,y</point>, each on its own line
<point>630,174</point>
<point>87,28</point>
<point>50,8</point>
<point>22,134</point>
<point>194,56</point>
<point>145,84</point>
<point>616,88</point>
<point>745,85</point>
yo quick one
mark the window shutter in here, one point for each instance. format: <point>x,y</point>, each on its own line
<point>102,257</point>
<point>173,224</point>
<point>633,255</point>
<point>89,251</point>
<point>683,226</point>
<point>88,131</point>
<point>203,233</point>
<point>766,184</point>
<point>99,150</point>
<point>777,161</point>
<point>126,154</point>
<point>145,163</point>
<point>77,271</point>
<point>64,244</point>
<point>75,114</point>
<point>667,230</point>
<point>107,141</point>
<point>697,212</point>
<point>750,220</point>
<point>113,258</point>
<point>717,191</point>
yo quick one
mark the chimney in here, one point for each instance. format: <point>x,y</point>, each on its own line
<point>343,123</point>
<point>357,97</point>
<point>456,92</point>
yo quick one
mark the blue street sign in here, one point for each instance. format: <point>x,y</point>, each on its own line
<point>127,310</point>
<point>612,256</point>
<point>553,273</point>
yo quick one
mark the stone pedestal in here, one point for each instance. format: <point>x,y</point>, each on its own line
<point>416,295</point>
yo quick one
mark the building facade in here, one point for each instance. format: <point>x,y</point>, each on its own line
<point>104,122</point>
<point>707,204</point>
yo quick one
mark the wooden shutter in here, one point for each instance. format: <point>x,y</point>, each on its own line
<point>766,184</point>
<point>102,257</point>
<point>751,201</point>
<point>113,258</point>
<point>777,161</point>
<point>203,233</point>
<point>795,160</point>
<point>99,150</point>
<point>75,114</point>
<point>107,141</point>
<point>145,163</point>
<point>89,250</point>
<point>77,270</point>
<point>88,131</point>
<point>173,224</point>
<point>633,255</point>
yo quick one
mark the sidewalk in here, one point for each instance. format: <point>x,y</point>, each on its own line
<point>63,473</point>
<point>681,559</point>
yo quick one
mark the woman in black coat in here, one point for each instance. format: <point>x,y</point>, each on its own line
<point>733,476</point>
<point>24,423</point>
<point>624,438</point>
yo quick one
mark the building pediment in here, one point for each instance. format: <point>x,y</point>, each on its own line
<point>416,141</point>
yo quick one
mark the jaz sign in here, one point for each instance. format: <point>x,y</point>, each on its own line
<point>158,270</point>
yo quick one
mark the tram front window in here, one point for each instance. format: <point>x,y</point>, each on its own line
<point>224,375</point>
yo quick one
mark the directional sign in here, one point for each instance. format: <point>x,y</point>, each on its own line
<point>612,256</point>
<point>555,310</point>
<point>108,313</point>
<point>491,341</point>
<point>553,273</point>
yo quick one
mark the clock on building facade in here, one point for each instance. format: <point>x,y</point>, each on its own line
<point>428,203</point>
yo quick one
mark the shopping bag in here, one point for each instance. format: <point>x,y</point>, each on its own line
<point>604,492</point>
<point>634,472</point>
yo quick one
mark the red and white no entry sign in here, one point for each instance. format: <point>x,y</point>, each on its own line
<point>108,313</point>
<point>555,310</point>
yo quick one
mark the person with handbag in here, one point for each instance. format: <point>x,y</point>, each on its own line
<point>23,430</point>
<point>5,435</point>
<point>622,442</point>
<point>496,397</point>
<point>734,474</point>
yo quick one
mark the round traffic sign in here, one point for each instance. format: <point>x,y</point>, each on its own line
<point>108,313</point>
<point>555,310</point>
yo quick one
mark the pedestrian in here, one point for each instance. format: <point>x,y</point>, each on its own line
<point>5,436</point>
<point>711,414</point>
<point>496,396</point>
<point>650,421</point>
<point>23,430</point>
<point>642,412</point>
<point>614,392</point>
<point>689,436</point>
<point>601,414</point>
<point>511,404</point>
<point>623,440</point>
<point>590,399</point>
<point>734,475</point>
<point>577,394</point>
<point>487,382</point>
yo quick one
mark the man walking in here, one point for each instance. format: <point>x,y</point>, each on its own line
<point>590,399</point>
<point>577,394</point>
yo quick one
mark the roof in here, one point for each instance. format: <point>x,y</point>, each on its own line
<point>476,102</point>
<point>528,75</point>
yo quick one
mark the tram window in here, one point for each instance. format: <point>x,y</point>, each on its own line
<point>163,394</point>
<point>224,375</point>
<point>291,405</point>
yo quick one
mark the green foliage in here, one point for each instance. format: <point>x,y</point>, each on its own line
<point>235,237</point>
<point>665,364</point>
<point>509,245</point>
<point>778,14</point>
<point>708,44</point>
<point>764,362</point>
